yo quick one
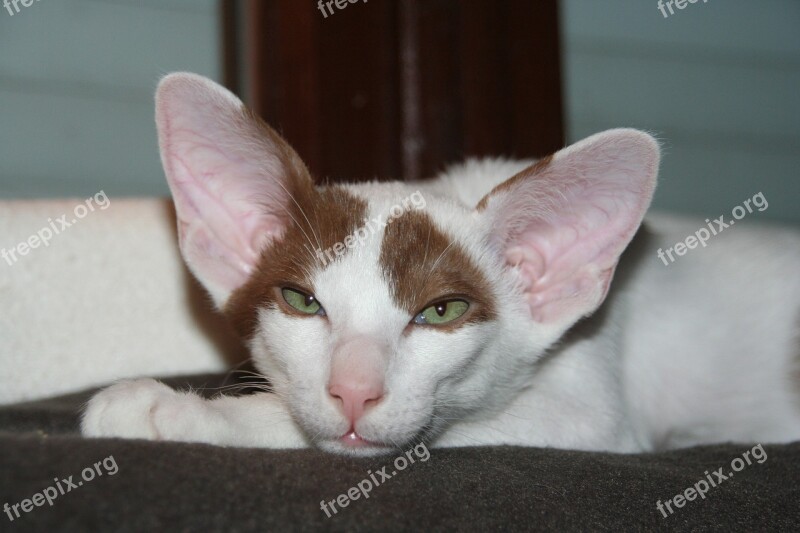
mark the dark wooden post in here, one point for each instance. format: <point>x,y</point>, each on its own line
<point>398,89</point>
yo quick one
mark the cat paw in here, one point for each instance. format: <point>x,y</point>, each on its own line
<point>142,409</point>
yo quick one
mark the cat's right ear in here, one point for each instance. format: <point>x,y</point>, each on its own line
<point>232,179</point>
<point>564,221</point>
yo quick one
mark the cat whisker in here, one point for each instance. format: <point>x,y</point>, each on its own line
<point>421,288</point>
<point>302,212</point>
<point>246,372</point>
<point>441,255</point>
<point>424,259</point>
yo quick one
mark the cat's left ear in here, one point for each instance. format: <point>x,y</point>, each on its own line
<point>564,221</point>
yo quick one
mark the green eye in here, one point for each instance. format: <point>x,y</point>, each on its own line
<point>305,303</point>
<point>442,312</point>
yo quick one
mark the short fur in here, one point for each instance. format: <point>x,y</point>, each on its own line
<point>699,351</point>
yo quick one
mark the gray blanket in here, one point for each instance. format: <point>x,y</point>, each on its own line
<point>51,479</point>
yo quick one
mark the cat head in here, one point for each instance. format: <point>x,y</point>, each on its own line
<point>384,312</point>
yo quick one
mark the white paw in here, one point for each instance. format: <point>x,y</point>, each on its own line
<point>142,409</point>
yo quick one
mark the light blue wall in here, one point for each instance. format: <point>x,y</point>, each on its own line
<point>718,82</point>
<point>76,91</point>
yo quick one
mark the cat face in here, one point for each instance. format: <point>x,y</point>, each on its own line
<point>389,340</point>
<point>384,312</point>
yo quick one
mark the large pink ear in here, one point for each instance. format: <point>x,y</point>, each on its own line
<point>564,221</point>
<point>232,179</point>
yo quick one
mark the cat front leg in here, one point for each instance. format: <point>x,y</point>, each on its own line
<point>147,409</point>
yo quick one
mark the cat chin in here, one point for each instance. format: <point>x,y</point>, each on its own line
<point>340,447</point>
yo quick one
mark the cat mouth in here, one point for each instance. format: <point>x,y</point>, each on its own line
<point>352,439</point>
<point>351,443</point>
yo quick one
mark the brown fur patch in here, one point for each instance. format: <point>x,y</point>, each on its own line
<point>322,218</point>
<point>422,265</point>
<point>532,170</point>
<point>315,218</point>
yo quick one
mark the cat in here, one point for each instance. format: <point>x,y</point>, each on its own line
<point>484,315</point>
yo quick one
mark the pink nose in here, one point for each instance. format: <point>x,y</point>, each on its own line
<point>356,397</point>
<point>358,365</point>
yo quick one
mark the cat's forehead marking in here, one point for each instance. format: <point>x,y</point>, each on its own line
<point>319,219</point>
<point>421,264</point>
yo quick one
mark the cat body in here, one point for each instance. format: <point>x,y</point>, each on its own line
<point>474,309</point>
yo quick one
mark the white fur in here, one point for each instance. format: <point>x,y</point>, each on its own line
<point>699,351</point>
